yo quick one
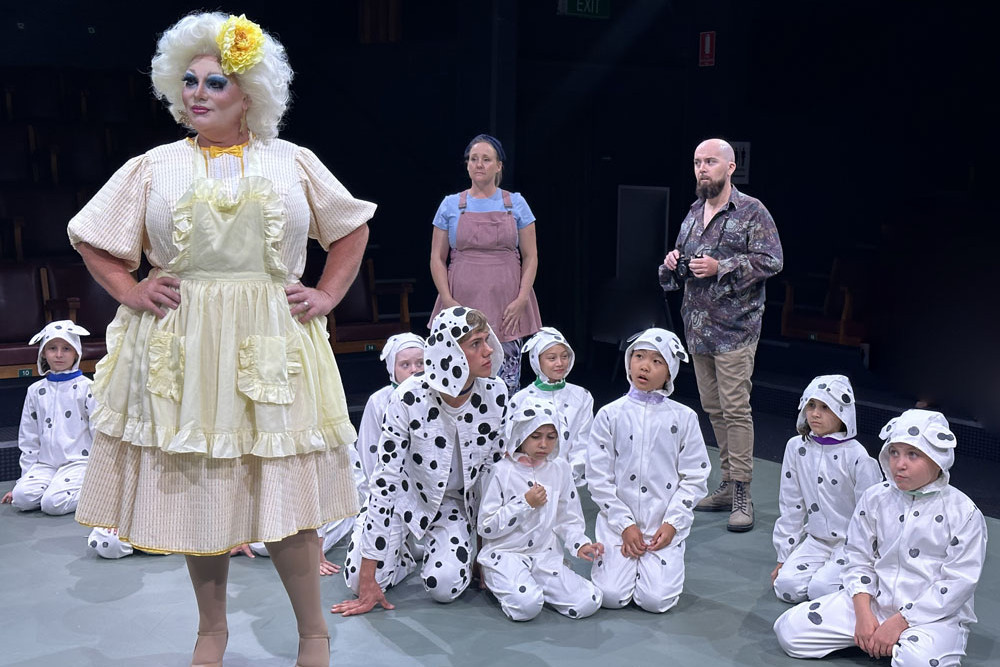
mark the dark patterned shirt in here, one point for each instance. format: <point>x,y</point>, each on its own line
<point>723,313</point>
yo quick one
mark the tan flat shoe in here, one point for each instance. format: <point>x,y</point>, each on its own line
<point>210,648</point>
<point>313,652</point>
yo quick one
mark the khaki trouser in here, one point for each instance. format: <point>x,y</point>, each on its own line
<point>724,386</point>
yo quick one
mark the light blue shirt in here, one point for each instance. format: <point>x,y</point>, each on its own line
<point>447,213</point>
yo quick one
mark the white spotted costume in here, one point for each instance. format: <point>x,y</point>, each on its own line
<point>647,465</point>
<point>56,433</point>
<point>919,553</point>
<point>365,457</point>
<point>417,478</point>
<point>370,429</point>
<point>522,545</point>
<point>571,401</point>
<point>822,479</point>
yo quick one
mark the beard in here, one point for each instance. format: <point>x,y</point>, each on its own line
<point>709,189</point>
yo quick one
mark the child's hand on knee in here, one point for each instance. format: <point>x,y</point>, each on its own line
<point>632,544</point>
<point>536,496</point>
<point>774,572</point>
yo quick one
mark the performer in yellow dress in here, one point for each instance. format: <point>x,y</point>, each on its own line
<point>221,416</point>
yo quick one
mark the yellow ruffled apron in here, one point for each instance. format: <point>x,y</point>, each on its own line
<point>228,381</point>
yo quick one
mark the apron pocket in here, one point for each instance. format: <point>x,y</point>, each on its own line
<point>166,365</point>
<point>266,367</point>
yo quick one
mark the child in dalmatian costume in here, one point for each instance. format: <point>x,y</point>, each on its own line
<point>550,348</point>
<point>647,468</point>
<point>56,432</point>
<point>442,431</point>
<point>530,510</point>
<point>364,458</point>
<point>823,475</point>
<point>370,429</point>
<point>915,550</point>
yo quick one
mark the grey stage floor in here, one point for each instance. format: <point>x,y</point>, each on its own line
<point>62,605</point>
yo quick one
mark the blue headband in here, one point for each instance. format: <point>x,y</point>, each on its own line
<point>492,141</point>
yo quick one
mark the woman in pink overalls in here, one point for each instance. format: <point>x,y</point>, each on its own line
<point>490,234</point>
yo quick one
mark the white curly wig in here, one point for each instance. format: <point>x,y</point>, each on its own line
<point>266,83</point>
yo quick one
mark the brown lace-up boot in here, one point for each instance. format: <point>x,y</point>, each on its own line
<point>741,518</point>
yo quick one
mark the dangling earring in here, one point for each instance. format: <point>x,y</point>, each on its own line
<point>243,123</point>
<point>184,119</point>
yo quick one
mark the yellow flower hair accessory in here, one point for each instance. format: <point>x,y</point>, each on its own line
<point>241,42</point>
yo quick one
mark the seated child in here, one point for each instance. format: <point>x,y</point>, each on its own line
<point>823,474</point>
<point>647,468</point>
<point>403,355</point>
<point>56,434</point>
<point>522,528</point>
<point>552,359</point>
<point>915,550</point>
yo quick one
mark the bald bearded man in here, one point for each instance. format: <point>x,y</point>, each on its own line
<point>727,248</point>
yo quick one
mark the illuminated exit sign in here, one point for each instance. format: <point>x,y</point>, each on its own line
<point>588,9</point>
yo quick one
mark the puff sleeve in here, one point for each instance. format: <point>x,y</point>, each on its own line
<point>334,212</point>
<point>115,219</point>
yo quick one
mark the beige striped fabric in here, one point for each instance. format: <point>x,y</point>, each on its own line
<point>193,504</point>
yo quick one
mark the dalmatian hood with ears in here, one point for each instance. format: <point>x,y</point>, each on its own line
<point>541,341</point>
<point>445,366</point>
<point>66,330</point>
<point>929,432</point>
<point>667,344</point>
<point>527,418</point>
<point>836,393</point>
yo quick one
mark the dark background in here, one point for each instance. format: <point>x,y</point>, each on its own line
<point>869,122</point>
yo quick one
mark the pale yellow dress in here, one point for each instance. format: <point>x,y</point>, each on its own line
<point>224,422</point>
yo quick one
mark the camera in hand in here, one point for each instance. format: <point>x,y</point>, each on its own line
<point>683,270</point>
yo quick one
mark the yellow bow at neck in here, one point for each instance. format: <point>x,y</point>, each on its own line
<point>216,151</point>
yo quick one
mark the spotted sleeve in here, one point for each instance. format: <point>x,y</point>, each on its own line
<point>501,505</point>
<point>601,457</point>
<point>693,467</point>
<point>790,527</point>
<point>393,450</point>
<point>29,433</point>
<point>570,526</point>
<point>958,574</point>
<point>862,547</point>
<point>583,421</point>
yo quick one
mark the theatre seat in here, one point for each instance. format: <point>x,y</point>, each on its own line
<point>841,318</point>
<point>21,303</point>
<point>355,326</point>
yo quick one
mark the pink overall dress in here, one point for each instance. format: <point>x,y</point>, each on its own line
<point>484,268</point>
<point>484,271</point>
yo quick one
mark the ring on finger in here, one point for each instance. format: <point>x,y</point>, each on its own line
<point>305,303</point>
